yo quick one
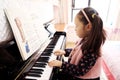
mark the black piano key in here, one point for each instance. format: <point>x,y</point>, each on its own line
<point>46,54</point>
<point>39,65</point>
<point>50,46</point>
<point>48,50</point>
<point>29,79</point>
<point>33,74</point>
<point>53,42</point>
<point>43,59</point>
<point>38,69</point>
<point>35,71</point>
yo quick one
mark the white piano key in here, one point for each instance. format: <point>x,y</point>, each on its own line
<point>59,42</point>
<point>46,74</point>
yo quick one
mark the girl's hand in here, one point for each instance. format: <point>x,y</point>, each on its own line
<point>59,52</point>
<point>55,63</point>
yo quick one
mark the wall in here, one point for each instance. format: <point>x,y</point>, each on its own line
<point>38,11</point>
<point>5,31</point>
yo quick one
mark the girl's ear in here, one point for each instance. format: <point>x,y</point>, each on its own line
<point>88,27</point>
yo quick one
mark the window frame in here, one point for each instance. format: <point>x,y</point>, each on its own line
<point>73,8</point>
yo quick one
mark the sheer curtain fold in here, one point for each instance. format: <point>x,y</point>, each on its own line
<point>61,11</point>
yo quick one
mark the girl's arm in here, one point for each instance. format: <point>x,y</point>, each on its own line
<point>85,64</point>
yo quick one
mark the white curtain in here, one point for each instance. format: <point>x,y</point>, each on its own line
<point>117,21</point>
<point>61,11</point>
<point>114,13</point>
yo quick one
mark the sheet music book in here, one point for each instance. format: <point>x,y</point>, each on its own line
<point>29,36</point>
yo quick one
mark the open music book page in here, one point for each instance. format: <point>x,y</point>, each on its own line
<point>28,35</point>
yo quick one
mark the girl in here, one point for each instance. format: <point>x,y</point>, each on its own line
<point>84,61</point>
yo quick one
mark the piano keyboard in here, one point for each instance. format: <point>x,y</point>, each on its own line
<point>40,70</point>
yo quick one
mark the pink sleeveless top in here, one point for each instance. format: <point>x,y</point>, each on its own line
<point>76,54</point>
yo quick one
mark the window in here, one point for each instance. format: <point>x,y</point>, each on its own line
<point>77,5</point>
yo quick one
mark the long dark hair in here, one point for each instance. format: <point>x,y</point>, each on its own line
<point>97,36</point>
